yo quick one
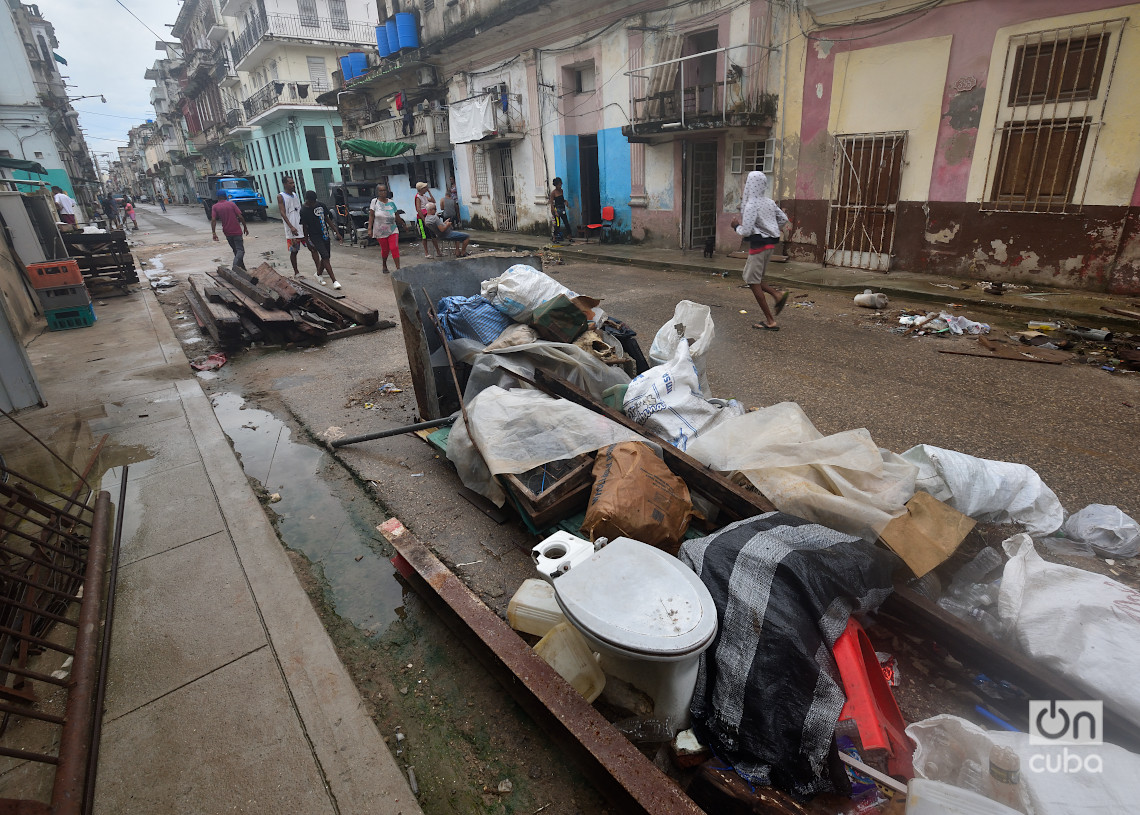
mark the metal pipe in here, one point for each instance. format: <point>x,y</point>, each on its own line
<point>29,713</point>
<point>81,540</point>
<point>23,637</point>
<point>74,741</point>
<point>398,431</point>
<point>37,542</point>
<point>105,650</point>
<point>27,755</point>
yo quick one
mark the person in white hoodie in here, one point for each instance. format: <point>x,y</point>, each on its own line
<point>762,222</point>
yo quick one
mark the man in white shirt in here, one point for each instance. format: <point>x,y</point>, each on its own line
<point>289,206</point>
<point>65,205</point>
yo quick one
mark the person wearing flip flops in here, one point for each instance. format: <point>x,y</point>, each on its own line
<point>761,221</point>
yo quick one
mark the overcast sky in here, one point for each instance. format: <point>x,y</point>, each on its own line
<point>107,50</point>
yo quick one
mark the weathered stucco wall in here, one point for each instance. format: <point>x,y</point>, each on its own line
<point>931,77</point>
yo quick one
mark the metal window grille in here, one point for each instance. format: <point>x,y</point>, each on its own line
<point>429,5</point>
<point>1053,96</point>
<point>503,175</point>
<point>866,185</point>
<point>752,155</point>
<point>308,9</point>
<point>338,14</point>
<point>479,160</point>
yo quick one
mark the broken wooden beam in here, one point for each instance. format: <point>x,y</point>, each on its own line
<point>733,499</point>
<point>265,297</point>
<point>222,323</point>
<point>1135,315</point>
<point>630,780</point>
<point>346,307</point>
<point>265,276</point>
<point>266,316</point>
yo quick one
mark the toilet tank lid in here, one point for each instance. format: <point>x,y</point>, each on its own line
<point>639,598</point>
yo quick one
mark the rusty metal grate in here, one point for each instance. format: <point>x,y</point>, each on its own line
<point>866,186</point>
<point>53,551</point>
<point>1053,95</point>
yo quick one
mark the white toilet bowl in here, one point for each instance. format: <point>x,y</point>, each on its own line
<point>557,554</point>
<point>648,615</point>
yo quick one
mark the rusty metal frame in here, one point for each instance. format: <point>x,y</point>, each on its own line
<point>630,780</point>
<point>52,556</point>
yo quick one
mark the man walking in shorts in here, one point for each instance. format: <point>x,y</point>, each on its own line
<point>233,227</point>
<point>289,206</point>
<point>317,222</point>
<point>761,221</point>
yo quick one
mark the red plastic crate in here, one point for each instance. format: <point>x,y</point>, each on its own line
<point>52,274</point>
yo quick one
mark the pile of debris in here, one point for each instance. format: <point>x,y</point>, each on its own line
<point>238,308</point>
<point>681,530</point>
<point>104,258</point>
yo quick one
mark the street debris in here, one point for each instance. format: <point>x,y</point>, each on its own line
<point>208,363</point>
<point>871,299</point>
<point>238,308</point>
<point>820,563</point>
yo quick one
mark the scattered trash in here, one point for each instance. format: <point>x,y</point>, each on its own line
<point>274,498</point>
<point>871,299</point>
<point>412,781</point>
<point>1106,529</point>
<point>359,558</point>
<point>209,363</point>
<point>646,730</point>
<point>505,787</point>
<point>389,388</point>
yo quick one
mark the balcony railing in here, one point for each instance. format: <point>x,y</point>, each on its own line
<point>429,131</point>
<point>703,90</point>
<point>282,93</point>
<point>300,27</point>
<point>234,118</point>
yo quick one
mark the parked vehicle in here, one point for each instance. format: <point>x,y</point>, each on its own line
<point>238,188</point>
<point>350,201</point>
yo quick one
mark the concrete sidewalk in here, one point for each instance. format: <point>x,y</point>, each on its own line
<point>225,693</point>
<point>1042,302</point>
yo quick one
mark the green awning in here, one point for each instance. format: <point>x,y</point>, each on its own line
<point>380,149</point>
<point>20,164</point>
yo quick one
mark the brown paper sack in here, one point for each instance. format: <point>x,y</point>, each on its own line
<point>636,495</point>
<point>927,534</point>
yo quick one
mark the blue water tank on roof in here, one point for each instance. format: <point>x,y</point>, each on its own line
<point>408,30</point>
<point>393,37</point>
<point>382,40</point>
<point>358,60</point>
<point>345,69</point>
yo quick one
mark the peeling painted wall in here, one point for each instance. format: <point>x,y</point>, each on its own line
<point>940,225</point>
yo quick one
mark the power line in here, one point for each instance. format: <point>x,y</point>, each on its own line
<point>139,119</point>
<point>158,36</point>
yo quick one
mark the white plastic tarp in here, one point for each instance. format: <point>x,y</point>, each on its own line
<point>1081,624</point>
<point>518,430</point>
<point>471,119</point>
<point>1100,779</point>
<point>987,491</point>
<point>693,322</point>
<point>844,481</point>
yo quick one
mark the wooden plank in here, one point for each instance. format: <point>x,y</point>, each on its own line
<point>992,349</point>
<point>259,294</point>
<point>1135,315</point>
<point>225,328</point>
<point>263,315</point>
<point>265,276</point>
<point>357,312</point>
<point>733,499</point>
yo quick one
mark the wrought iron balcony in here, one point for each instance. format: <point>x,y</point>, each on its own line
<point>429,131</point>
<point>299,27</point>
<point>282,93</point>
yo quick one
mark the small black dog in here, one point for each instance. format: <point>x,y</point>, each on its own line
<point>710,245</point>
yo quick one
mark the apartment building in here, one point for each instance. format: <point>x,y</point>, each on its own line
<point>173,163</point>
<point>37,121</point>
<point>282,55</point>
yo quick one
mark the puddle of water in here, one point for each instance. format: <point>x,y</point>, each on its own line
<point>362,584</point>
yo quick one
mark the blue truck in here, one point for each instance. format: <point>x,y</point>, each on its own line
<point>238,188</point>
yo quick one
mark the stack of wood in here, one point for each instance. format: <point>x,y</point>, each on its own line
<point>104,259</point>
<point>237,308</point>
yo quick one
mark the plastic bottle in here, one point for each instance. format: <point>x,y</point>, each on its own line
<point>956,607</point>
<point>983,563</point>
<point>987,621</point>
<point>976,595</point>
<point>1005,777</point>
<point>972,777</point>
<point>944,757</point>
